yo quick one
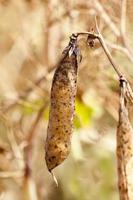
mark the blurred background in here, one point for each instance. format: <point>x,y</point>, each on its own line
<point>33,34</point>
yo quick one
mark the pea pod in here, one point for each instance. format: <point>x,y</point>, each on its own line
<point>63,91</point>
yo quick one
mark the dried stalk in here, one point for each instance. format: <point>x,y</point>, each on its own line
<point>104,15</point>
<point>121,49</point>
<point>11,174</point>
<point>99,36</point>
<point>15,147</point>
<point>23,95</point>
<point>108,21</point>
<point>123,27</point>
<point>124,131</point>
<point>29,186</point>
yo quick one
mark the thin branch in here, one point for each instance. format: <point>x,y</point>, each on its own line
<point>123,17</point>
<point>32,130</point>
<point>99,8</point>
<point>123,27</point>
<point>30,137</point>
<point>103,44</point>
<point>120,48</point>
<point>28,182</point>
<point>23,95</point>
<point>119,33</point>
<point>29,189</point>
<point>11,174</point>
<point>106,50</point>
<point>128,47</point>
<point>15,147</point>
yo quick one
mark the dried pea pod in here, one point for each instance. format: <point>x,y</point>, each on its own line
<point>124,145</point>
<point>63,91</point>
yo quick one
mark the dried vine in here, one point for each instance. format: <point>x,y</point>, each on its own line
<point>58,142</point>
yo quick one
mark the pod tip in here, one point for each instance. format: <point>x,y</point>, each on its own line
<point>54,178</point>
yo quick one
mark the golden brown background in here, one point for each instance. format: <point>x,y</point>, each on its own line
<point>33,34</point>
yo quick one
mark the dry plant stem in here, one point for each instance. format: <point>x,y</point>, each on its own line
<point>23,95</point>
<point>101,40</point>
<point>123,27</point>
<point>123,17</point>
<point>99,8</point>
<point>28,183</point>
<point>11,174</point>
<point>29,188</point>
<point>98,36</point>
<point>32,130</point>
<point>119,33</point>
<point>15,147</point>
<point>120,48</point>
<point>30,139</point>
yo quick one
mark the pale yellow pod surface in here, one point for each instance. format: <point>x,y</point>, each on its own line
<point>62,108</point>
